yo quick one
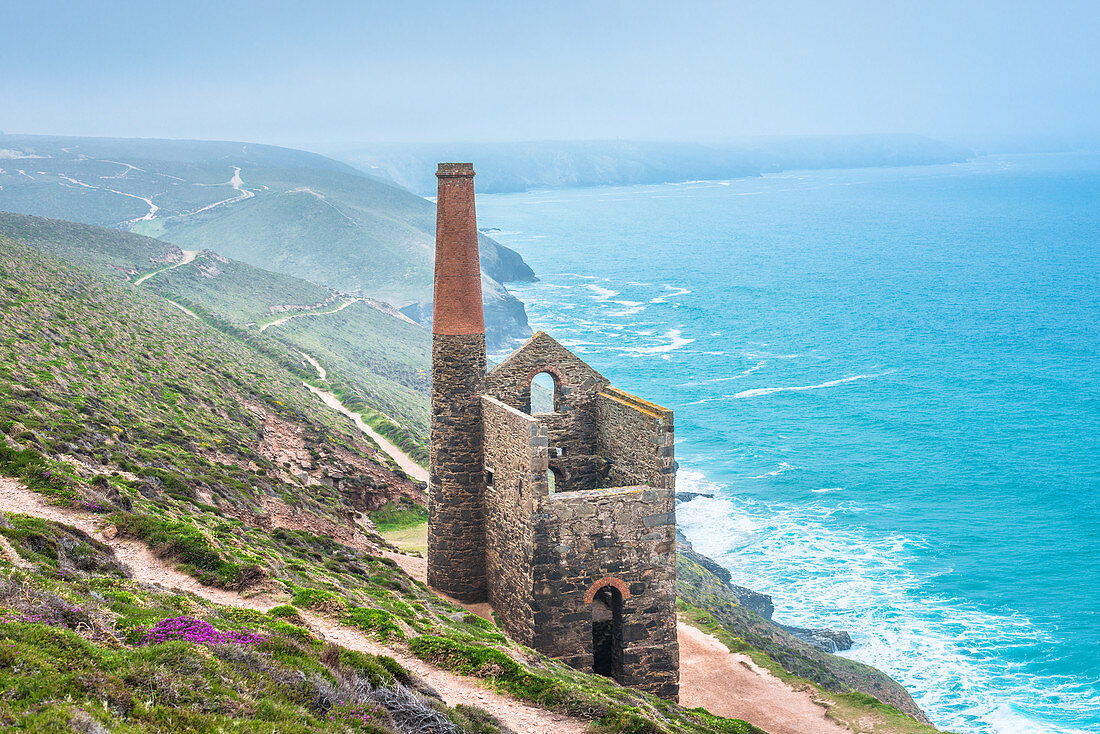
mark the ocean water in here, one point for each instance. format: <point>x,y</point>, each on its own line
<point>889,379</point>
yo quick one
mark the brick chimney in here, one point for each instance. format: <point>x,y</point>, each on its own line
<point>456,485</point>
<point>457,305</point>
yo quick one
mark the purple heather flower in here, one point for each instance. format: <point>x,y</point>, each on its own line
<point>198,631</point>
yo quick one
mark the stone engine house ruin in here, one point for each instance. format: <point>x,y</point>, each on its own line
<point>563,520</point>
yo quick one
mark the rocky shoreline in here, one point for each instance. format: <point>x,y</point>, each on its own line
<point>806,652</point>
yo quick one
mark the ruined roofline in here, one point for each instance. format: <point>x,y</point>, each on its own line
<point>527,417</point>
<point>625,491</point>
<point>621,396</point>
<point>542,335</point>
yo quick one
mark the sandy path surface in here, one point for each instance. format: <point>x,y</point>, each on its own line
<point>238,185</point>
<point>137,556</point>
<point>402,459</point>
<point>153,208</point>
<point>283,320</point>
<point>186,310</point>
<point>148,568</point>
<point>730,684</point>
<point>321,371</point>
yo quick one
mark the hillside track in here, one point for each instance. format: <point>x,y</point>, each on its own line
<point>188,258</point>
<point>284,319</point>
<point>147,568</point>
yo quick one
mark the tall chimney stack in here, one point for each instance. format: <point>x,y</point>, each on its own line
<point>456,485</point>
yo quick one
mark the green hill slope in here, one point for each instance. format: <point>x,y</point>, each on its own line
<point>377,360</point>
<point>119,380</point>
<point>283,210</point>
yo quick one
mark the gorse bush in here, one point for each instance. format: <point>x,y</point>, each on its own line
<point>378,622</point>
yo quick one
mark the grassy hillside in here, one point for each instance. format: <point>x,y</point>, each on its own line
<point>282,210</point>
<point>119,380</point>
<point>377,359</point>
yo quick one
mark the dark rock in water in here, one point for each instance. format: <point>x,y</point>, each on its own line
<point>823,639</point>
<point>689,496</point>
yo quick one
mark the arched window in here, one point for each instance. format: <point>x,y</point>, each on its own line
<point>607,632</point>
<point>544,394</point>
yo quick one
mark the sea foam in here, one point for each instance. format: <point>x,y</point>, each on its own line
<point>943,650</point>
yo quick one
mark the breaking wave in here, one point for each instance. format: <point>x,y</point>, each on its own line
<point>758,391</point>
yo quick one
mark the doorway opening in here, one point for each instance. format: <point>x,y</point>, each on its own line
<point>607,632</point>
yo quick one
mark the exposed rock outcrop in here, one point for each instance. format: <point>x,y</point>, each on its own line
<point>760,603</point>
<point>502,264</point>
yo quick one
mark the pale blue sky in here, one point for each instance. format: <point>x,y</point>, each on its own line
<point>316,72</point>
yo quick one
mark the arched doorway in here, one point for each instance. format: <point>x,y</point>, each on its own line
<point>607,632</point>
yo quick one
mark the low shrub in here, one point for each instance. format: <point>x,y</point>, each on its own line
<point>378,622</point>
<point>318,599</point>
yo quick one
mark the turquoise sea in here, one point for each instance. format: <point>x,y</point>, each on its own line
<point>889,379</point>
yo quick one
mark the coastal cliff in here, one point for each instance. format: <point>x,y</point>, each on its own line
<point>743,617</point>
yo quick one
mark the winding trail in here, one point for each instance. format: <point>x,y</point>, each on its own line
<point>283,320</point>
<point>402,459</point>
<point>238,185</point>
<point>153,208</point>
<point>147,568</point>
<point>188,257</point>
<point>321,371</point>
<point>186,310</point>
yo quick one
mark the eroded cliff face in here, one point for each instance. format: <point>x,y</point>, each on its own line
<point>502,264</point>
<point>505,315</point>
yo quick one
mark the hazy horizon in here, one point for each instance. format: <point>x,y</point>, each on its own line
<point>340,74</point>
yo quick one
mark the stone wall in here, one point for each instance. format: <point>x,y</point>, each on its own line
<point>456,514</point>
<point>572,426</point>
<point>636,436</point>
<point>623,537</point>
<point>515,455</point>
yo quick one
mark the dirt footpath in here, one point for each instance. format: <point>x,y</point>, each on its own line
<point>146,567</point>
<point>730,684</point>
